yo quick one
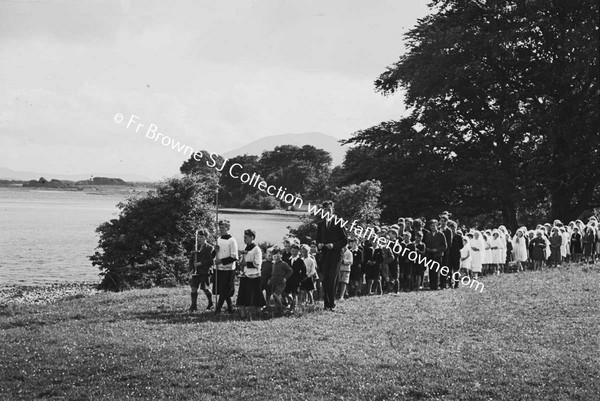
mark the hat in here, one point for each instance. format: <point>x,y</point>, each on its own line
<point>445,214</point>
<point>250,233</point>
<point>275,250</point>
<point>432,221</point>
<point>224,222</point>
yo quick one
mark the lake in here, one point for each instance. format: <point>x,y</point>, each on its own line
<point>46,236</point>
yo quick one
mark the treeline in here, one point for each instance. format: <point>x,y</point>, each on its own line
<point>304,171</point>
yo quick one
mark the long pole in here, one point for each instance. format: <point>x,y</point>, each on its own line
<point>216,239</point>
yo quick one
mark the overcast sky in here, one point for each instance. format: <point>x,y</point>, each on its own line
<point>214,75</point>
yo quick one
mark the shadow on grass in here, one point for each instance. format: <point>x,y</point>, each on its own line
<point>184,317</point>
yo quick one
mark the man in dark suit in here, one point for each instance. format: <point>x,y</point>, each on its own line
<point>331,238</point>
<point>435,241</point>
<point>454,252</point>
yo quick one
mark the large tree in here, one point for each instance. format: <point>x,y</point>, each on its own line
<point>504,103</point>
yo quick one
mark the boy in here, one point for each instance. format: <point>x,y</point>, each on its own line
<point>344,272</point>
<point>201,265</point>
<point>419,269</point>
<point>280,274</point>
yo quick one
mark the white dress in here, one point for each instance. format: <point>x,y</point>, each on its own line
<point>519,249</point>
<point>465,252</point>
<point>476,256</point>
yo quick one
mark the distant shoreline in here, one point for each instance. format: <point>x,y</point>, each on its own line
<point>276,212</point>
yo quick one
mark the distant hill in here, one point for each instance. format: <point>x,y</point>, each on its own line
<point>316,139</point>
<point>8,174</point>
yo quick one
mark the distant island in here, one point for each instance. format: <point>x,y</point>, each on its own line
<point>44,183</point>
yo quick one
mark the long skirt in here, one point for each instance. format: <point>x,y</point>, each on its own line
<point>225,283</point>
<point>250,293</point>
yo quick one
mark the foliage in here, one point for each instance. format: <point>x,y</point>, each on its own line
<point>259,201</point>
<point>307,227</point>
<point>353,202</point>
<point>302,171</point>
<point>146,246</point>
<point>359,202</point>
<point>502,95</point>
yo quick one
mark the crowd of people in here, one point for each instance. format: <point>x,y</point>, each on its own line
<point>333,266</point>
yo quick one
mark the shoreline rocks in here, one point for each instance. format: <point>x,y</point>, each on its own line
<point>45,294</point>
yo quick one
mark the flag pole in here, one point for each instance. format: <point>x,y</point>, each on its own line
<point>216,238</point>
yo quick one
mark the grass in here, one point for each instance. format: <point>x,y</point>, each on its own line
<point>528,336</point>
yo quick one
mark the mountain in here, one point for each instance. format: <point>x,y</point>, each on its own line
<point>8,174</point>
<point>316,139</point>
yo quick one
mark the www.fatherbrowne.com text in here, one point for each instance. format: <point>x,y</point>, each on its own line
<point>396,247</point>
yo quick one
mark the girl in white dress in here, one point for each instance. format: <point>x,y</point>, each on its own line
<point>477,248</point>
<point>496,245</point>
<point>486,256</point>
<point>465,255</point>
<point>519,249</point>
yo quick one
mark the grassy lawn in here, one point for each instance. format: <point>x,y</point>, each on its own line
<point>528,336</point>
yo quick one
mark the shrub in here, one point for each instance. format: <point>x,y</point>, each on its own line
<point>147,245</point>
<point>259,201</point>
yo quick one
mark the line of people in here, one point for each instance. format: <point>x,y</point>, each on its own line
<point>298,272</point>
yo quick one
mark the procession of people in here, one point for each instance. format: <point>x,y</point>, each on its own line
<point>332,266</point>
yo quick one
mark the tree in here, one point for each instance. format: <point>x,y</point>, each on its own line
<point>354,202</point>
<point>359,202</point>
<point>304,171</point>
<point>147,245</point>
<point>502,95</point>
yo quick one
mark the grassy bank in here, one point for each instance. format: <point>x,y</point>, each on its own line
<point>527,336</point>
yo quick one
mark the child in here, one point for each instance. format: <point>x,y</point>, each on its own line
<point>405,265</point>
<point>280,274</point>
<point>477,250</point>
<point>588,244</point>
<point>265,273</point>
<point>293,285</point>
<point>576,248</point>
<point>307,286</point>
<point>519,249</point>
<point>418,268</point>
<point>537,250</point>
<point>344,273</point>
<point>465,255</point>
<point>316,255</point>
<point>356,270</point>
<point>555,246</point>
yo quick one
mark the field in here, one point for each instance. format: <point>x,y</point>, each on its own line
<point>528,336</point>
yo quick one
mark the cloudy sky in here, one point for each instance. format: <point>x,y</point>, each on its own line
<point>213,75</point>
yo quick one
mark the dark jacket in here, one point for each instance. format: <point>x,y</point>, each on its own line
<point>205,257</point>
<point>333,235</point>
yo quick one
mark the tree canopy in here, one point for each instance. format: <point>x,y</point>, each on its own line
<point>503,99</point>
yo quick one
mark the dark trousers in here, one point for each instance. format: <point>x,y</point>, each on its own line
<point>329,269</point>
<point>454,267</point>
<point>434,274</point>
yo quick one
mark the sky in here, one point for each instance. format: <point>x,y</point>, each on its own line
<point>212,75</point>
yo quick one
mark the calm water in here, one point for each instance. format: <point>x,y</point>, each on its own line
<point>47,236</point>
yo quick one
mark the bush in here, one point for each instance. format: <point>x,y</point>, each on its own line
<point>258,201</point>
<point>148,244</point>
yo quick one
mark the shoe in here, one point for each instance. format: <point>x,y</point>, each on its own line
<point>193,308</point>
<point>217,311</point>
<point>210,306</point>
<point>231,311</point>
